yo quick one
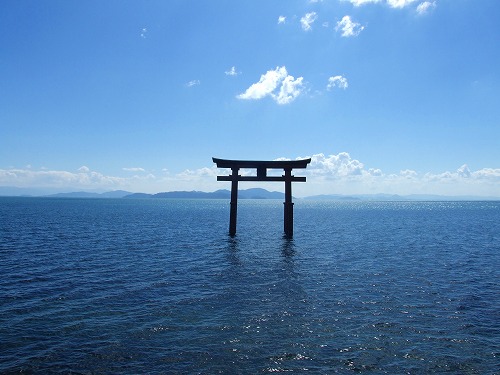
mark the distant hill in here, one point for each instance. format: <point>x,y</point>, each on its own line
<point>219,194</point>
<point>138,195</point>
<point>84,194</point>
<point>256,193</point>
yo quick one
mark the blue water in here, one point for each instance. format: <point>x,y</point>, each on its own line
<point>157,286</point>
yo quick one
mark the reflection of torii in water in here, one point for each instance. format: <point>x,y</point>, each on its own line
<point>262,167</point>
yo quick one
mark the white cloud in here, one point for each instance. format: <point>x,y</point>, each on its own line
<point>391,3</point>
<point>358,3</point>
<point>487,173</point>
<point>408,173</point>
<point>232,72</point>
<point>425,7</point>
<point>192,83</point>
<point>281,20</point>
<point>399,3</point>
<point>283,88</point>
<point>464,174</point>
<point>308,20</point>
<point>375,172</point>
<point>134,169</point>
<point>464,171</point>
<point>86,180</point>
<point>267,84</point>
<point>290,89</point>
<point>337,81</point>
<point>84,177</point>
<point>343,174</point>
<point>335,166</point>
<point>195,174</point>
<point>349,27</point>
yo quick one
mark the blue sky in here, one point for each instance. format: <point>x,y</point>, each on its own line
<point>386,96</point>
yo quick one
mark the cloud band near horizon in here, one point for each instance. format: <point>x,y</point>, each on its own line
<point>326,173</point>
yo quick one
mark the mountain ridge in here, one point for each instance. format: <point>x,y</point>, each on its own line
<point>252,193</point>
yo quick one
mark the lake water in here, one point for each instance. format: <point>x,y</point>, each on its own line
<point>157,286</point>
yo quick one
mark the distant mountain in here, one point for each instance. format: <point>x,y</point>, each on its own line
<point>85,194</point>
<point>138,195</point>
<point>115,194</point>
<point>256,193</point>
<point>219,194</point>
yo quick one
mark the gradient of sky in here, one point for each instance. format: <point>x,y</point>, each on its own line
<point>386,96</point>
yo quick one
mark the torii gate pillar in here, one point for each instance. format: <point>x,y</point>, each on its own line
<point>234,202</point>
<point>262,167</point>
<point>288,205</point>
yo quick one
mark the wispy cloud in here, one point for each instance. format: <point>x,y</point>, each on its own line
<point>82,178</point>
<point>348,27</point>
<point>425,7</point>
<point>86,179</point>
<point>391,3</point>
<point>281,20</point>
<point>133,169</point>
<point>277,84</point>
<point>358,3</point>
<point>192,83</point>
<point>337,81</point>
<point>399,3</point>
<point>308,20</point>
<point>193,174</point>
<point>232,72</point>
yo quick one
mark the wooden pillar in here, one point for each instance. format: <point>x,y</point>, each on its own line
<point>234,202</point>
<point>288,209</point>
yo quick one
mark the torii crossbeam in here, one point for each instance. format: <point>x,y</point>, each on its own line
<point>262,167</point>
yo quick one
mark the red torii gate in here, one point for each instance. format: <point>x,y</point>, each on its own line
<point>262,167</point>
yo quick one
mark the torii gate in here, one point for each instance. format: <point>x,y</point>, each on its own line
<point>262,167</point>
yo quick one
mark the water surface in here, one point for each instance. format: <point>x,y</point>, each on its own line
<point>157,286</point>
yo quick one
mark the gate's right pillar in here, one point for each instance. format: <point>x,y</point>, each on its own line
<point>288,205</point>
<point>233,212</point>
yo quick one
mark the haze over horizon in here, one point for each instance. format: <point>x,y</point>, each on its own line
<point>385,96</point>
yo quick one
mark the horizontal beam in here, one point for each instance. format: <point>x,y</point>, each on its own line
<point>267,178</point>
<point>272,164</point>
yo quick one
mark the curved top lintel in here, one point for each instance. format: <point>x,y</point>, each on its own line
<point>272,164</point>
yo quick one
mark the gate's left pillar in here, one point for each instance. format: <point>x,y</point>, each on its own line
<point>288,211</point>
<point>234,202</point>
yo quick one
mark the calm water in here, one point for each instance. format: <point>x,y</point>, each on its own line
<point>157,286</point>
